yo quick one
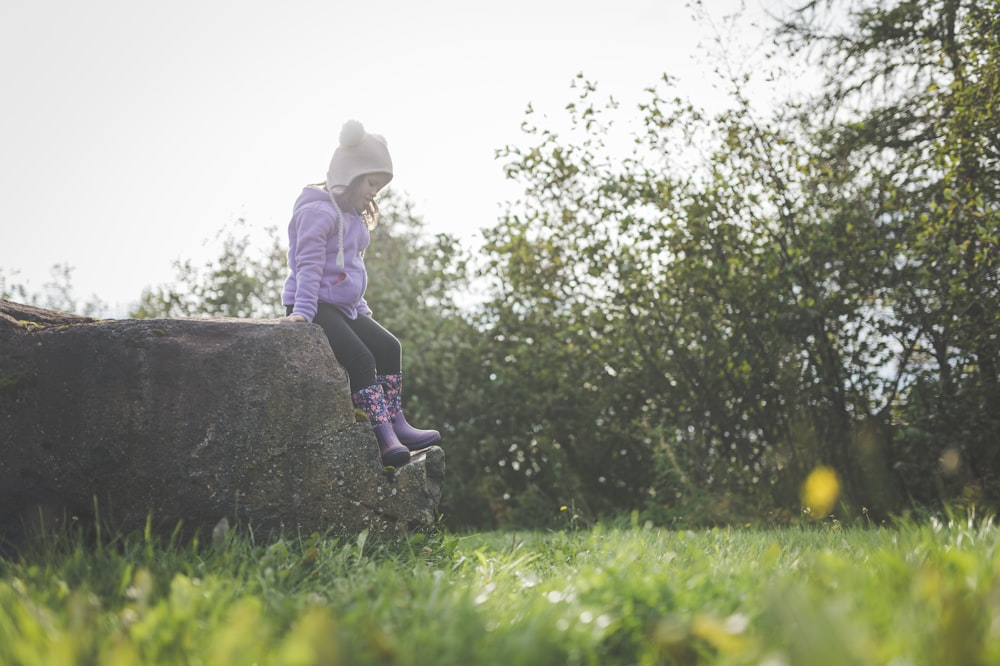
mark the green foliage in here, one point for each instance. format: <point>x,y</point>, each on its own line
<point>614,594</point>
<point>918,86</point>
<point>57,294</point>
<point>12,291</point>
<point>237,284</point>
<point>695,324</point>
<point>699,318</point>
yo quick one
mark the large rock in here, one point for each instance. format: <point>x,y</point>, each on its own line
<point>189,422</point>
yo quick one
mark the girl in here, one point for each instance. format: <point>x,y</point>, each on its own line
<point>327,237</point>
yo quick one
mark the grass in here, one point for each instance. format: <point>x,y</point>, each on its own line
<point>916,593</point>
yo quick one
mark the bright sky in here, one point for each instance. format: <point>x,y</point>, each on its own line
<point>133,131</point>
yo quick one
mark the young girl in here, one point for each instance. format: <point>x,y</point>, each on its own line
<point>327,237</point>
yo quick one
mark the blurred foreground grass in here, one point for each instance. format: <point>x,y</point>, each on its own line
<point>916,593</point>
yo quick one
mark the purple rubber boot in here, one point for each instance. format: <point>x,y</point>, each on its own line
<point>371,401</point>
<point>412,438</point>
<point>393,453</point>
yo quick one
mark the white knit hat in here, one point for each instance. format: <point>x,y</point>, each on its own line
<point>358,153</point>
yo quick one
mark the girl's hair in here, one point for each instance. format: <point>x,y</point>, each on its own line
<point>369,215</point>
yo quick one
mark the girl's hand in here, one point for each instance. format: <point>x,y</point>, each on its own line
<point>294,317</point>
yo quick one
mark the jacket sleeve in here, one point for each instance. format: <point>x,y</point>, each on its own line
<point>363,307</point>
<point>313,229</point>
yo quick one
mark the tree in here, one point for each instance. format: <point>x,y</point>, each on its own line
<point>57,294</point>
<point>821,287</point>
<point>12,291</point>
<point>237,284</point>
<point>911,100</point>
<point>722,309</point>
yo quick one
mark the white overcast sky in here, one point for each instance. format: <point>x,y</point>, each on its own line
<point>133,131</point>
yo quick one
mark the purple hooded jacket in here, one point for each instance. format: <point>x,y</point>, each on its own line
<point>313,243</point>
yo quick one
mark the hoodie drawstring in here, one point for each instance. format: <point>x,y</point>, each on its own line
<point>340,232</point>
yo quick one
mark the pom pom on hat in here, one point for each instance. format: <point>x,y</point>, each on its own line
<point>352,133</point>
<point>359,153</point>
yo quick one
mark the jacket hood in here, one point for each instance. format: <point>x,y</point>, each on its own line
<point>311,194</point>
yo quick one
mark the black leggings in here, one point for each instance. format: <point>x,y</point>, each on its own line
<point>361,345</point>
